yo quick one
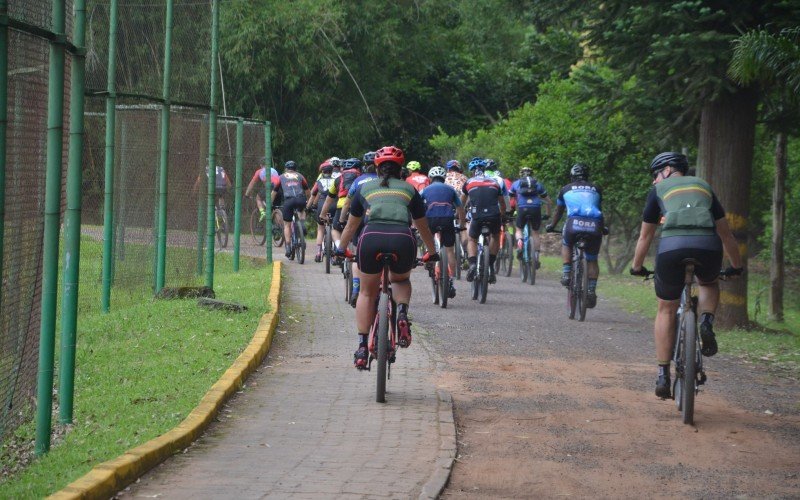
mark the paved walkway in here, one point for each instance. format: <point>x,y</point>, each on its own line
<point>307,424</point>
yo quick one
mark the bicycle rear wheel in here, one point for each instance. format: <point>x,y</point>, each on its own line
<point>584,285</point>
<point>572,299</point>
<point>511,245</point>
<point>383,347</point>
<point>257,228</point>
<point>523,265</point>
<point>222,228</point>
<point>300,239</point>
<point>348,280</point>
<point>444,278</point>
<point>459,255</point>
<point>328,246</point>
<point>484,287</point>
<point>690,353</point>
<point>277,229</point>
<point>531,263</point>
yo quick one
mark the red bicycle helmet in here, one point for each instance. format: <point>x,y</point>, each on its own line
<point>326,163</point>
<point>389,153</point>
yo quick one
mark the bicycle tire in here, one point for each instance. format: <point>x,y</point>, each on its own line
<point>511,244</point>
<point>531,264</point>
<point>476,280</point>
<point>257,228</point>
<point>523,264</point>
<point>571,296</point>
<point>584,285</point>
<point>444,279</point>
<point>278,239</point>
<point>383,347</point>
<point>300,241</point>
<point>222,227</point>
<point>459,251</point>
<point>327,245</point>
<point>434,288</point>
<point>690,351</point>
<point>484,288</point>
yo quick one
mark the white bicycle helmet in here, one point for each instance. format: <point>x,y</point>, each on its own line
<point>437,171</point>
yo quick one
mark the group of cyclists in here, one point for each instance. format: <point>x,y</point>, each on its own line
<point>381,204</point>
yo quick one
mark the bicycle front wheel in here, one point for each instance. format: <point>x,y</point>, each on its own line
<point>383,347</point>
<point>257,228</point>
<point>690,353</point>
<point>444,278</point>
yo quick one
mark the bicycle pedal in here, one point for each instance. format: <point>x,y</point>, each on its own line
<point>702,379</point>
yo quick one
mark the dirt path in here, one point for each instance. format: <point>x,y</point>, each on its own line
<point>548,407</point>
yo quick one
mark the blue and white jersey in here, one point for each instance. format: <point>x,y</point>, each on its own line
<point>361,179</point>
<point>581,199</point>
<point>441,200</point>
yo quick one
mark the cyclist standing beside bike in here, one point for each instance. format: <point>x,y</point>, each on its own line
<point>442,204</point>
<point>582,201</point>
<point>529,194</point>
<point>487,204</point>
<point>389,201</point>
<point>318,193</point>
<point>294,188</point>
<point>694,226</point>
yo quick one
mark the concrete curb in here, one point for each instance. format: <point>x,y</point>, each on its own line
<point>106,479</point>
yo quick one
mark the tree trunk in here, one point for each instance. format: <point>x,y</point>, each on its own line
<point>778,219</point>
<point>725,157</point>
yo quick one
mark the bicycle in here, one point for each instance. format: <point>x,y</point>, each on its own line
<point>578,278</point>
<point>528,263</point>
<point>258,226</point>
<point>298,240</point>
<point>439,274</point>
<point>221,225</point>
<point>686,351</point>
<point>480,285</point>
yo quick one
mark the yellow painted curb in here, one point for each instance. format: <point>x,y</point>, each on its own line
<point>106,479</point>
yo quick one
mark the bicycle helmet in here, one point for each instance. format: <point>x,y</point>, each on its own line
<point>369,158</point>
<point>437,171</point>
<point>525,172</point>
<point>454,165</point>
<point>413,166</point>
<point>579,171</point>
<point>325,167</point>
<point>290,165</point>
<point>478,163</point>
<point>389,153</point>
<point>492,165</point>
<point>351,163</point>
<point>335,161</point>
<point>677,161</point>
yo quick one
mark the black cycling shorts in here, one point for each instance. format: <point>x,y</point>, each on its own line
<point>592,229</point>
<point>339,226</point>
<point>382,239</point>
<point>290,205</point>
<point>670,272</point>
<point>475,226</point>
<point>533,214</point>
<point>320,204</point>
<point>444,226</point>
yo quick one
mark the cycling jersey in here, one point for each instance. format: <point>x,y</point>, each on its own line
<point>528,192</point>
<point>220,178</point>
<point>484,193</point>
<point>418,180</point>
<point>321,187</point>
<point>388,205</point>
<point>455,180</point>
<point>581,199</point>
<point>292,184</point>
<point>441,200</point>
<point>341,185</point>
<point>261,175</point>
<point>688,205</point>
<point>361,179</point>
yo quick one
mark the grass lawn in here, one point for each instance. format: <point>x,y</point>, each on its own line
<point>772,343</point>
<point>140,370</point>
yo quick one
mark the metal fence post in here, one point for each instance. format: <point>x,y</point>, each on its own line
<point>72,221</point>
<point>161,248</point>
<point>3,121</point>
<point>212,148</point>
<point>237,217</point>
<point>268,182</point>
<point>52,212</point>
<point>108,203</point>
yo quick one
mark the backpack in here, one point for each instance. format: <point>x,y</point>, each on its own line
<point>528,186</point>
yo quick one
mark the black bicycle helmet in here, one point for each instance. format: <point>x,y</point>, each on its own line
<point>290,165</point>
<point>677,161</point>
<point>369,158</point>
<point>579,171</point>
<point>351,163</point>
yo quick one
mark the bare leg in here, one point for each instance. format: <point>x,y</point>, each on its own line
<point>365,306</point>
<point>664,329</point>
<point>708,297</point>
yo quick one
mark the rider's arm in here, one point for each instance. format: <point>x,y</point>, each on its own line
<point>729,242</point>
<point>326,206</point>
<point>646,234</point>
<point>462,216</point>
<point>557,216</point>
<point>345,210</point>
<point>349,230</point>
<point>425,233</point>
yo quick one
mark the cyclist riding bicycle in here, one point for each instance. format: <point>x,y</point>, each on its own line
<point>318,193</point>
<point>260,175</point>
<point>416,178</point>
<point>389,201</point>
<point>222,184</point>
<point>529,194</point>
<point>442,204</point>
<point>693,226</point>
<point>582,201</point>
<point>454,178</point>
<point>486,206</point>
<point>294,188</point>
<point>493,170</point>
<point>351,169</point>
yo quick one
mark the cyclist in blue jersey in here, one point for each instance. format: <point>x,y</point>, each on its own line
<point>582,201</point>
<point>529,194</point>
<point>442,205</point>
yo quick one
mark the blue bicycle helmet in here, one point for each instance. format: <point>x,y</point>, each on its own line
<point>453,164</point>
<point>369,158</point>
<point>351,163</point>
<point>476,162</point>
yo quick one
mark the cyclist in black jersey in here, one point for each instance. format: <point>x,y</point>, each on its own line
<point>693,225</point>
<point>295,192</point>
<point>486,206</point>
